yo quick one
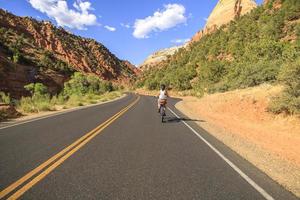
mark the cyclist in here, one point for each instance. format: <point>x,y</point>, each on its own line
<point>163,95</point>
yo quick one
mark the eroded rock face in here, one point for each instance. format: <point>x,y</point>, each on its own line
<point>224,12</point>
<point>81,54</point>
<point>276,3</point>
<point>157,57</point>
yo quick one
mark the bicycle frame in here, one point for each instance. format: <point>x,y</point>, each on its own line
<point>162,110</point>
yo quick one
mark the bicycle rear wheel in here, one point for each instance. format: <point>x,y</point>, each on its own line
<point>162,113</point>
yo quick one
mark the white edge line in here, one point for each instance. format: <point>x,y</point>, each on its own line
<point>60,113</point>
<point>233,166</point>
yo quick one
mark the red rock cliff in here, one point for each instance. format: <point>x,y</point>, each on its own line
<point>80,54</point>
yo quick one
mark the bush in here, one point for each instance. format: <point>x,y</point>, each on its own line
<point>74,100</point>
<point>16,47</point>
<point>81,84</point>
<point>4,98</point>
<point>36,89</point>
<point>249,75</point>
<point>79,90</point>
<point>289,101</point>
<point>16,57</point>
<point>152,84</point>
<point>58,100</point>
<point>49,61</point>
<point>39,101</point>
<point>285,104</point>
<point>2,115</point>
<point>35,104</point>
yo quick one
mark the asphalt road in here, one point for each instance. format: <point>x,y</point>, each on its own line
<point>131,156</point>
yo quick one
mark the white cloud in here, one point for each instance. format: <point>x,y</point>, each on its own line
<point>110,28</point>
<point>171,16</point>
<point>78,18</point>
<point>125,25</point>
<point>180,41</point>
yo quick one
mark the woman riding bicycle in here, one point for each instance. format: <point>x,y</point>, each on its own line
<point>163,95</point>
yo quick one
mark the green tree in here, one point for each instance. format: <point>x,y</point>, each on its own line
<point>36,89</point>
<point>81,84</point>
<point>16,48</point>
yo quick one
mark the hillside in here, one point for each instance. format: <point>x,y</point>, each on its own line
<point>37,51</point>
<point>224,12</point>
<point>261,46</point>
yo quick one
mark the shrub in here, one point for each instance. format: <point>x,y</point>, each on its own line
<point>5,98</point>
<point>249,75</point>
<point>36,89</point>
<point>81,84</point>
<point>58,99</point>
<point>74,100</point>
<point>289,101</point>
<point>49,61</point>
<point>15,48</point>
<point>16,57</point>
<point>35,104</point>
<point>76,85</point>
<point>152,84</point>
<point>2,115</point>
<point>39,101</point>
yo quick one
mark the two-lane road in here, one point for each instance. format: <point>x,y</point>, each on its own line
<point>121,150</point>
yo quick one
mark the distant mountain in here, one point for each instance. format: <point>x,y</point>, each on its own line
<point>37,51</point>
<point>224,12</point>
<point>157,57</point>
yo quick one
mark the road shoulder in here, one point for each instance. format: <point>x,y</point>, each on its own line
<point>285,172</point>
<point>43,115</point>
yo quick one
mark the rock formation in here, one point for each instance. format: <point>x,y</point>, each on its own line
<point>276,3</point>
<point>224,12</point>
<point>63,51</point>
<point>8,111</point>
<point>157,57</point>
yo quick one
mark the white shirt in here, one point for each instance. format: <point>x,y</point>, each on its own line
<point>162,94</point>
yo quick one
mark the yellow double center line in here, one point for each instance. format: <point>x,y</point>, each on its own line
<point>48,166</point>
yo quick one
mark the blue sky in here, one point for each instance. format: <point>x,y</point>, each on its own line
<point>115,23</point>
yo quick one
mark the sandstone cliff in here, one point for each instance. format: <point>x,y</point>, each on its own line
<point>157,57</point>
<point>224,12</point>
<point>33,51</point>
<point>276,4</point>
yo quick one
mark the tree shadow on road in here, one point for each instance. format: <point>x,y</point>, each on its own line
<point>176,119</point>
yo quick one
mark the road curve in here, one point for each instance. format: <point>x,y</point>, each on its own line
<point>130,155</point>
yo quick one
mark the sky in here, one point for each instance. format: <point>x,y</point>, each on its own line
<point>131,29</point>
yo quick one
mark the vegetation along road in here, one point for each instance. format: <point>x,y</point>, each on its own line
<point>121,150</point>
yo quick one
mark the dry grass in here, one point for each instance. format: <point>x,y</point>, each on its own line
<point>27,105</point>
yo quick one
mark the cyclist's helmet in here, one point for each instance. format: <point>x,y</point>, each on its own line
<point>163,87</point>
